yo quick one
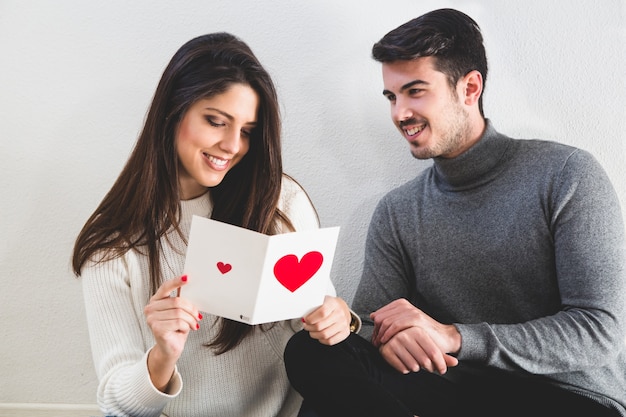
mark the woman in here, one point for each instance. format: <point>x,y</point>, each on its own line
<point>210,146</point>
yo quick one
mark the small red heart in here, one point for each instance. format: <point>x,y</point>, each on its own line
<point>224,268</point>
<point>292,274</point>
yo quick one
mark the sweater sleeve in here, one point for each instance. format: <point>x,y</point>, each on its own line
<point>119,352</point>
<point>590,261</point>
<point>386,272</point>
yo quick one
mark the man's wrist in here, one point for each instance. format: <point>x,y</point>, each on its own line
<point>455,338</point>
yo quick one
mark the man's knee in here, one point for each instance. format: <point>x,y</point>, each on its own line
<point>298,345</point>
<point>298,355</point>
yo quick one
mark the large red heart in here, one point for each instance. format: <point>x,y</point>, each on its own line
<point>224,268</point>
<point>292,274</point>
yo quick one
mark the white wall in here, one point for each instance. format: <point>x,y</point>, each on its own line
<point>76,78</point>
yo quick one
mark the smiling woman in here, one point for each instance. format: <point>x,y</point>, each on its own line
<point>213,136</point>
<point>210,147</point>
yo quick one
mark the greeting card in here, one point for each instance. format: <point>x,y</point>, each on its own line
<point>254,278</point>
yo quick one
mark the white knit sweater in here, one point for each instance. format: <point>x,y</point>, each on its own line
<point>248,380</point>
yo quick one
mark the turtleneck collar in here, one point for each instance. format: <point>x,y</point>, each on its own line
<point>475,166</point>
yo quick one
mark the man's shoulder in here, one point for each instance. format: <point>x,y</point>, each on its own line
<point>537,147</point>
<point>408,187</point>
<point>546,145</point>
<point>550,153</point>
<point>404,195</point>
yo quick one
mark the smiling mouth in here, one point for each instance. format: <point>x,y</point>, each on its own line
<point>414,130</point>
<point>216,161</point>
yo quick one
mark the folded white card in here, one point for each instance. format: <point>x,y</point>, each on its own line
<point>254,278</point>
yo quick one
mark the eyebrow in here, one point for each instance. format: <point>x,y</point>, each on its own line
<point>229,116</point>
<point>406,86</point>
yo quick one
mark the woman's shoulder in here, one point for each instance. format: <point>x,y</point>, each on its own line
<point>296,204</point>
<point>290,188</point>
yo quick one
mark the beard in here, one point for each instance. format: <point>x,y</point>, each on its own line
<point>454,130</point>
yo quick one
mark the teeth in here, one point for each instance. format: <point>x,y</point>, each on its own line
<point>217,161</point>
<point>414,131</point>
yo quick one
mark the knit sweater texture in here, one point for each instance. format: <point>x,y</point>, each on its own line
<point>520,244</point>
<point>249,380</point>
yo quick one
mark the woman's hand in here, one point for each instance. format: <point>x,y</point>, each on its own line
<point>329,323</point>
<point>170,319</point>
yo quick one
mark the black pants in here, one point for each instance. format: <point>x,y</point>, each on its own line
<point>352,379</point>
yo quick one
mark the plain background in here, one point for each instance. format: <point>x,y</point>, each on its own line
<point>76,79</point>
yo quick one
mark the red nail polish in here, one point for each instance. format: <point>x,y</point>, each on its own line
<point>183,278</point>
<point>303,320</point>
<point>199,316</point>
<point>197,326</point>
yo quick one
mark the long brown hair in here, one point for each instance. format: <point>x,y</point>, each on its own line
<point>144,202</point>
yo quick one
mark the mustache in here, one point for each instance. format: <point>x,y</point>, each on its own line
<point>411,121</point>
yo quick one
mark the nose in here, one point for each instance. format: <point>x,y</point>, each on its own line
<point>400,110</point>
<point>231,141</point>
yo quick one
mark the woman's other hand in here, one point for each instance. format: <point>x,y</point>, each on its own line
<point>329,323</point>
<point>170,319</point>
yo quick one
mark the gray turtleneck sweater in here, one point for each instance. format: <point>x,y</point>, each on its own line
<point>520,244</point>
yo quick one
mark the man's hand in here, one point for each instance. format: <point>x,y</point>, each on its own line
<point>411,340</point>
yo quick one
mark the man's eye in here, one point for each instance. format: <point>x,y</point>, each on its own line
<point>391,97</point>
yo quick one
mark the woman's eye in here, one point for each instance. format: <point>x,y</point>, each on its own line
<point>246,133</point>
<point>213,122</point>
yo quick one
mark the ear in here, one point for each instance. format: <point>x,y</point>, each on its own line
<point>472,84</point>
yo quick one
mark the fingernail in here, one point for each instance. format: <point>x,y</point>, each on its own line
<point>303,320</point>
<point>183,278</point>
<point>197,326</point>
<point>199,316</point>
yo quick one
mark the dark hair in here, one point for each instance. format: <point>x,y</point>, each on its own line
<point>450,36</point>
<point>144,202</point>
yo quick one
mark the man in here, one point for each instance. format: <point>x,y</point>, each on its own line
<point>494,283</point>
